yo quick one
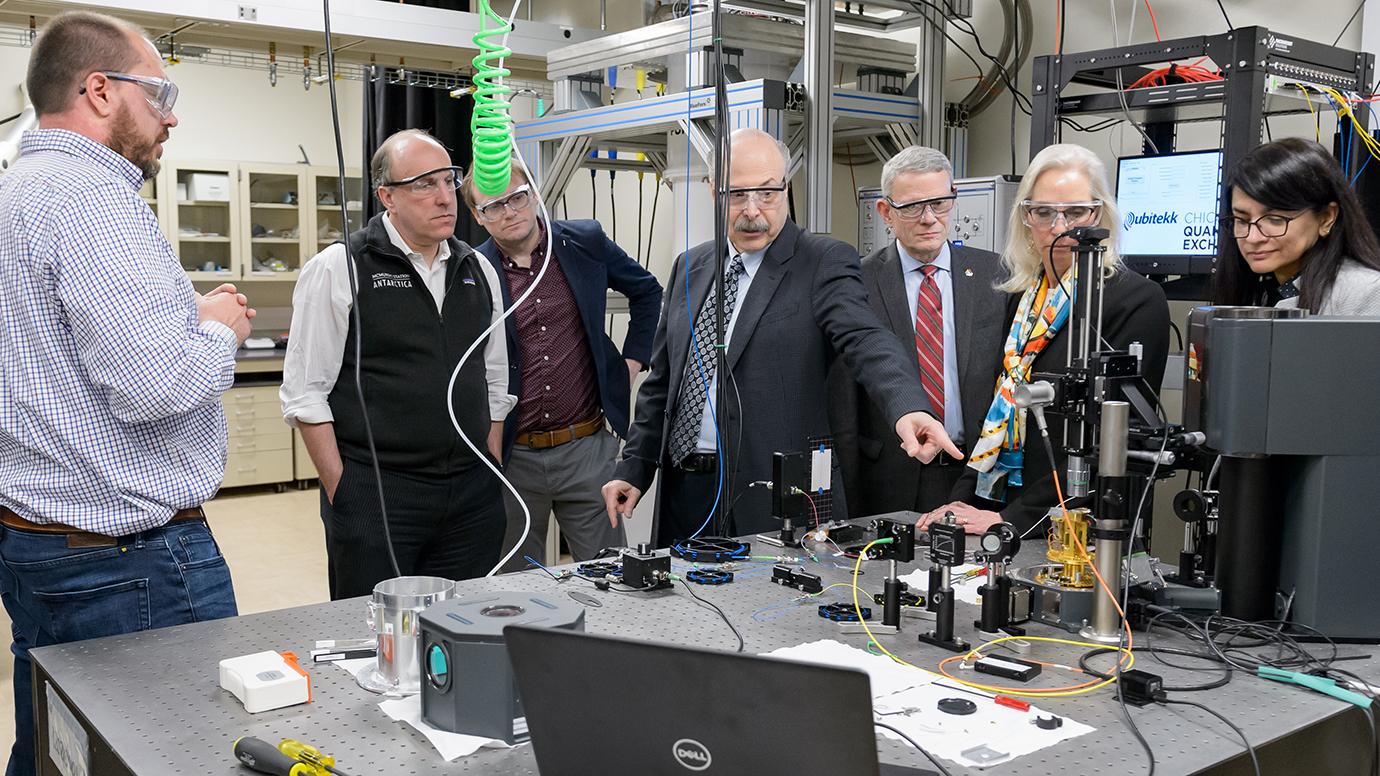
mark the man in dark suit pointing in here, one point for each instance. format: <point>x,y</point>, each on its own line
<point>793,301</point>
<point>940,300</point>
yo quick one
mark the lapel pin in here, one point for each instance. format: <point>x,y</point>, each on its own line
<point>968,272</point>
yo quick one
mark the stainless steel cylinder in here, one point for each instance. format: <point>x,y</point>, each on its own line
<point>394,612</point>
<point>1080,476</point>
<point>1106,624</point>
<point>1116,424</point>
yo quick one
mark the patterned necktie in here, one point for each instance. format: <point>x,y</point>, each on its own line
<point>929,339</point>
<point>685,431</point>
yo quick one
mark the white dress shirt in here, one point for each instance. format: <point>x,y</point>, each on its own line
<point>321,320</point>
<point>751,262</point>
<point>910,270</point>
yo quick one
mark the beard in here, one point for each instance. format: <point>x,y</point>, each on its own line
<point>127,141</point>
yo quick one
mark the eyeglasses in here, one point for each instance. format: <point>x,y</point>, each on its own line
<point>1269,226</point>
<point>765,196</point>
<point>161,93</point>
<point>518,201</point>
<point>1044,214</point>
<point>912,211</point>
<point>429,182</point>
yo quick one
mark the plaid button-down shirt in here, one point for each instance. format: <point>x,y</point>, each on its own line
<point>110,413</point>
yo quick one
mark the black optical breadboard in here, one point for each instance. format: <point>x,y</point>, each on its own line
<point>841,612</point>
<point>599,569</point>
<point>709,576</point>
<point>711,549</point>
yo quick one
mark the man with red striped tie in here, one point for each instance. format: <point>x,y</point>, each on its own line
<point>940,300</point>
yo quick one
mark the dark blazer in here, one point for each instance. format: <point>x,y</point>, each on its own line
<point>1134,310</point>
<point>593,264</point>
<point>878,475</point>
<point>806,304</point>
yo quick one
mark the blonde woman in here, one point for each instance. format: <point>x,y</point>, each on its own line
<point>1009,480</point>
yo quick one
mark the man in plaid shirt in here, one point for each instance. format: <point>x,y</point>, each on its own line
<point>111,366</point>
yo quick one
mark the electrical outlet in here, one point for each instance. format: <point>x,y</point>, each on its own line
<point>249,13</point>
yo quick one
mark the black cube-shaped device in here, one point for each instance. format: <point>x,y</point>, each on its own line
<point>468,684</point>
<point>902,535</point>
<point>645,569</point>
<point>790,481</point>
<point>948,544</point>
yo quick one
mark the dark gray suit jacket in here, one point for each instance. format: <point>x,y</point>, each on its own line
<point>878,476</point>
<point>806,305</point>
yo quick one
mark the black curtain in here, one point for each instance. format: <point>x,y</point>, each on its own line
<point>389,107</point>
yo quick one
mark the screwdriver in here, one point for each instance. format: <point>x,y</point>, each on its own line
<point>1000,700</point>
<point>289,758</point>
<point>265,758</point>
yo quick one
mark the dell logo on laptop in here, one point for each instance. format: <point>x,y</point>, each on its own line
<point>691,754</point>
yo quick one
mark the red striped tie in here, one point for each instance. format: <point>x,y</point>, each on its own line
<point>929,339</point>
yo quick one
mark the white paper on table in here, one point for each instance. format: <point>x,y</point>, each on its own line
<point>887,675</point>
<point>449,745</point>
<point>898,688</point>
<point>965,590</point>
<point>1003,729</point>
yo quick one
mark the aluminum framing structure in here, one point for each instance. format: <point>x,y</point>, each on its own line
<point>798,103</point>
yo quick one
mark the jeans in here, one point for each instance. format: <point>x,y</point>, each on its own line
<point>165,576</point>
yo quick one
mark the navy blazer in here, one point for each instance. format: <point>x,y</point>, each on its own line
<point>593,264</point>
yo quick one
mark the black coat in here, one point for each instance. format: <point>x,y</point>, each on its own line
<point>1134,310</point>
<point>878,475</point>
<point>806,304</point>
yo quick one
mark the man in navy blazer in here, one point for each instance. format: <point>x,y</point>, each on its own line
<point>794,302</point>
<point>572,382</point>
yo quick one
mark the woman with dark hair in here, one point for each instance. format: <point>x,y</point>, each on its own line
<point>1300,238</point>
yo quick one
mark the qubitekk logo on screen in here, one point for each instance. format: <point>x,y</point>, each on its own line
<point>1132,219</point>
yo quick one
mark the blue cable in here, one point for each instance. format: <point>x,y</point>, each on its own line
<point>694,348</point>
<point>1363,169</point>
<point>537,563</point>
<point>1347,140</point>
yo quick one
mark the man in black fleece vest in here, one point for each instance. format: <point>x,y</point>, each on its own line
<point>423,298</point>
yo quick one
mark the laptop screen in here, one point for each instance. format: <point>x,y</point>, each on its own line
<point>603,704</point>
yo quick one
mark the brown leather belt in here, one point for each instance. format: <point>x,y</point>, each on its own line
<point>540,440</point>
<point>75,536</point>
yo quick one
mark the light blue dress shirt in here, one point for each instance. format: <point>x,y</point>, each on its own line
<point>751,262</point>
<point>910,270</point>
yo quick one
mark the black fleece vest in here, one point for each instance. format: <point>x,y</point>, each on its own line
<point>408,354</point>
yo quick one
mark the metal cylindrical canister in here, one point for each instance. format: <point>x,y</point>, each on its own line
<point>393,615</point>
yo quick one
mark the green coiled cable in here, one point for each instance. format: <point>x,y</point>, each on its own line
<point>491,127</point>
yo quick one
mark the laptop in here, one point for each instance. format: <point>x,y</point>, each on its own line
<point>597,704</point>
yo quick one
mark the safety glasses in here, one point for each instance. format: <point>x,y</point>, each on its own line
<point>160,92</point>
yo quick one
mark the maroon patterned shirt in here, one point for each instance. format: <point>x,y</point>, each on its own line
<point>559,388</point>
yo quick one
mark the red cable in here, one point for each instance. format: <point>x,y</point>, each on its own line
<point>1058,24</point>
<point>1153,23</point>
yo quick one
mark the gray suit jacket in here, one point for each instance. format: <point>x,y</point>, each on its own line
<point>806,305</point>
<point>878,476</point>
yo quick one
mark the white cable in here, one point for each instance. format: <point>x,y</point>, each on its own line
<point>501,321</point>
<point>1116,29</point>
<point>1131,32</point>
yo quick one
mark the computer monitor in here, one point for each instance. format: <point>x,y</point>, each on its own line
<point>1169,212</point>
